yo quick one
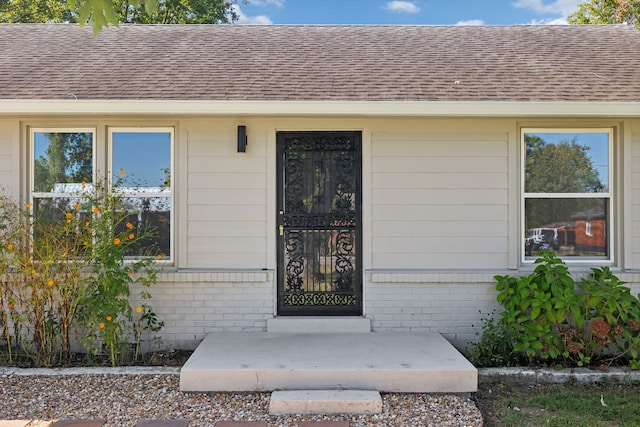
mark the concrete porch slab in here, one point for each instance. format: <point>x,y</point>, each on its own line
<point>319,324</point>
<point>381,361</point>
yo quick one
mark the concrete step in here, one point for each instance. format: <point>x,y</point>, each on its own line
<point>312,402</point>
<point>383,361</point>
<point>318,324</point>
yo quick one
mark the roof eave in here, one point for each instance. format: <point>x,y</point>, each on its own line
<point>324,108</point>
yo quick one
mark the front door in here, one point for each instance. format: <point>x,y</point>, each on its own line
<point>319,223</point>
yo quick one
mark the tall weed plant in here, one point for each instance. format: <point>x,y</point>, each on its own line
<point>68,274</point>
<point>112,233</point>
<point>41,282</point>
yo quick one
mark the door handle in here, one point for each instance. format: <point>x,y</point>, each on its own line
<point>281,226</point>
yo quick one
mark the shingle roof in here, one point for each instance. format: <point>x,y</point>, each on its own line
<point>363,63</point>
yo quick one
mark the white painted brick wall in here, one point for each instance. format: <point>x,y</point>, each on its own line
<point>452,304</point>
<point>193,304</point>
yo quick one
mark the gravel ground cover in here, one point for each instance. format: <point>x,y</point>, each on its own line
<point>123,399</point>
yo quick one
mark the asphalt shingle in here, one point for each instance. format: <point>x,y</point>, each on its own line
<point>313,63</point>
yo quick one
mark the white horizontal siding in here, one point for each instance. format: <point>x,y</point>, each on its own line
<point>226,229</point>
<point>226,259</point>
<point>635,196</point>
<point>226,199</point>
<point>221,180</point>
<point>473,258</point>
<point>229,213</point>
<point>440,201</point>
<point>227,164</point>
<point>448,244</point>
<point>441,228</point>
<point>460,180</point>
<point>439,212</point>
<point>452,196</point>
<point>437,164</point>
<point>242,196</point>
<point>7,159</point>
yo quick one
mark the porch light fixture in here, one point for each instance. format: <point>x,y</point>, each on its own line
<point>242,139</point>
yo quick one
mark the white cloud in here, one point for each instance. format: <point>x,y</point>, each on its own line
<point>279,3</point>
<point>552,21</point>
<point>402,6</point>
<point>557,7</point>
<point>251,20</point>
<point>471,22</point>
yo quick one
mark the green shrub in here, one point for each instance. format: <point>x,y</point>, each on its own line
<point>558,321</point>
<point>496,345</point>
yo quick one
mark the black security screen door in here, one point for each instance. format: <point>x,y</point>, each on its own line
<point>319,223</point>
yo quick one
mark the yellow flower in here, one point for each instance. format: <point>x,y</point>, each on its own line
<point>129,225</point>
<point>84,184</point>
<point>86,223</point>
<point>108,318</point>
<point>131,236</point>
<point>101,325</point>
<point>96,210</point>
<point>159,256</point>
<point>69,215</point>
<point>28,205</point>
<point>116,241</point>
<point>10,246</point>
<point>76,206</point>
<point>50,282</point>
<point>138,309</point>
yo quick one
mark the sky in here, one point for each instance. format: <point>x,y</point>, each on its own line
<point>405,12</point>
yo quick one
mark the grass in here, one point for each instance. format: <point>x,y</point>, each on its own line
<point>560,405</point>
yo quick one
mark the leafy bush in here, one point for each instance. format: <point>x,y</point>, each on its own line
<point>496,345</point>
<point>555,320</point>
<point>610,327</point>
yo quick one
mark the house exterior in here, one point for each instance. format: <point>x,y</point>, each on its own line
<point>384,172</point>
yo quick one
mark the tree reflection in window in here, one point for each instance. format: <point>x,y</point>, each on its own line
<point>62,158</point>
<point>566,187</point>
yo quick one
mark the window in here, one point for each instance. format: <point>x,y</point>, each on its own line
<point>140,165</point>
<point>141,168</point>
<point>567,192</point>
<point>61,162</point>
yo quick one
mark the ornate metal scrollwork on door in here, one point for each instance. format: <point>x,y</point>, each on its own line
<point>320,219</point>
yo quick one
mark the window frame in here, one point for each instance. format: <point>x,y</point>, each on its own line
<point>101,144</point>
<point>609,194</point>
<point>167,258</point>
